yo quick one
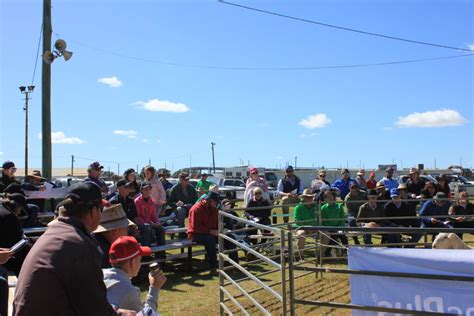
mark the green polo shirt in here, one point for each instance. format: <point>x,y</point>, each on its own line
<point>306,215</point>
<point>203,184</point>
<point>333,211</point>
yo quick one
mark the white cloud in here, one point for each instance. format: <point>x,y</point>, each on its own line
<point>112,82</point>
<point>438,118</point>
<point>471,46</point>
<point>279,157</point>
<point>156,105</point>
<point>145,140</point>
<point>60,138</point>
<point>1,153</point>
<point>131,134</point>
<point>315,121</point>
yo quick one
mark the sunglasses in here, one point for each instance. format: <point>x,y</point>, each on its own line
<point>322,175</point>
<point>258,193</point>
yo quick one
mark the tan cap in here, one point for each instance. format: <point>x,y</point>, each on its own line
<point>113,217</point>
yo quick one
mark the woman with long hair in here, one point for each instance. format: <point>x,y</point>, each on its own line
<point>158,193</point>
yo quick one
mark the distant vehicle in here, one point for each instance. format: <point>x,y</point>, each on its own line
<point>272,179</point>
<point>455,180</point>
<point>403,179</point>
<point>65,182</point>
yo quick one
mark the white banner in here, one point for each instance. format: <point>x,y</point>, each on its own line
<point>453,297</point>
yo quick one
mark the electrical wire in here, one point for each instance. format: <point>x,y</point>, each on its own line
<point>37,54</point>
<point>343,28</point>
<point>269,68</point>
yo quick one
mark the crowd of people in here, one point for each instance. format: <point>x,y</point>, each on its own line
<point>98,227</point>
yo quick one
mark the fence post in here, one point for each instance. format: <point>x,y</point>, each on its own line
<point>221,262</point>
<point>290,271</point>
<point>283,272</point>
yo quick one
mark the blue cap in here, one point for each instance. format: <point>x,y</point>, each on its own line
<point>394,192</point>
<point>289,168</point>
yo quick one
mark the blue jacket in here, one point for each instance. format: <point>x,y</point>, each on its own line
<point>430,208</point>
<point>343,186</point>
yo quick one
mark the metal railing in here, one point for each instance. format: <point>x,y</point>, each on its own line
<point>288,265</point>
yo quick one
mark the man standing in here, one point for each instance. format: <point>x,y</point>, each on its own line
<point>61,275</point>
<point>289,188</point>
<point>388,180</point>
<point>93,175</point>
<point>361,182</point>
<point>203,183</point>
<point>202,227</point>
<point>415,184</point>
<point>182,197</point>
<point>344,183</point>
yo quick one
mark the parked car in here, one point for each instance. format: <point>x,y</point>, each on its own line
<point>462,182</point>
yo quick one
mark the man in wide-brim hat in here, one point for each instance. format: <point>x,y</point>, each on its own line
<point>114,224</point>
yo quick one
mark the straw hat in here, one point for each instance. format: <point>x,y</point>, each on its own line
<point>307,193</point>
<point>112,218</point>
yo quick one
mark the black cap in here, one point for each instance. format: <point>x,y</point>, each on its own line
<point>124,182</point>
<point>85,193</point>
<point>128,171</point>
<point>372,192</point>
<point>96,166</point>
<point>212,196</point>
<point>184,175</point>
<point>8,164</point>
<point>145,184</point>
<point>289,168</point>
<point>345,171</point>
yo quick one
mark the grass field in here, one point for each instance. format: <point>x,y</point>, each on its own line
<point>197,293</point>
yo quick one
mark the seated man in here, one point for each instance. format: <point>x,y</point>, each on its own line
<point>125,257</point>
<point>353,200</point>
<point>182,197</point>
<point>123,196</point>
<point>306,214</point>
<point>202,227</point>
<point>373,209</point>
<point>147,220</point>
<point>9,184</point>
<point>438,206</point>
<point>397,208</point>
<point>113,224</point>
<point>333,215</point>
<point>459,211</point>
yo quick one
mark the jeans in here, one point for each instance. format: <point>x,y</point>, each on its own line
<point>209,242</point>
<point>181,214</point>
<point>351,222</point>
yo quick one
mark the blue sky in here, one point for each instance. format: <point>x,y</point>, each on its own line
<point>351,114</point>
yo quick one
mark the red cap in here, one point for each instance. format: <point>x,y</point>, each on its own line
<point>125,248</point>
<point>372,174</point>
<point>253,170</point>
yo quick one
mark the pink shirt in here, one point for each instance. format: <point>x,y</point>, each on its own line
<point>158,193</point>
<point>146,210</point>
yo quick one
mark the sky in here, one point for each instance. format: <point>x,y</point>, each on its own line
<point>161,80</point>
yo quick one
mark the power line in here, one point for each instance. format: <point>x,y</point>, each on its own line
<point>269,68</point>
<point>344,28</point>
<point>37,54</point>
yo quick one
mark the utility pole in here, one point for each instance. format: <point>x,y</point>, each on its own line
<point>26,92</point>
<point>46,93</point>
<point>118,168</point>
<point>213,159</point>
<point>72,165</point>
<point>296,161</point>
<point>149,161</point>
